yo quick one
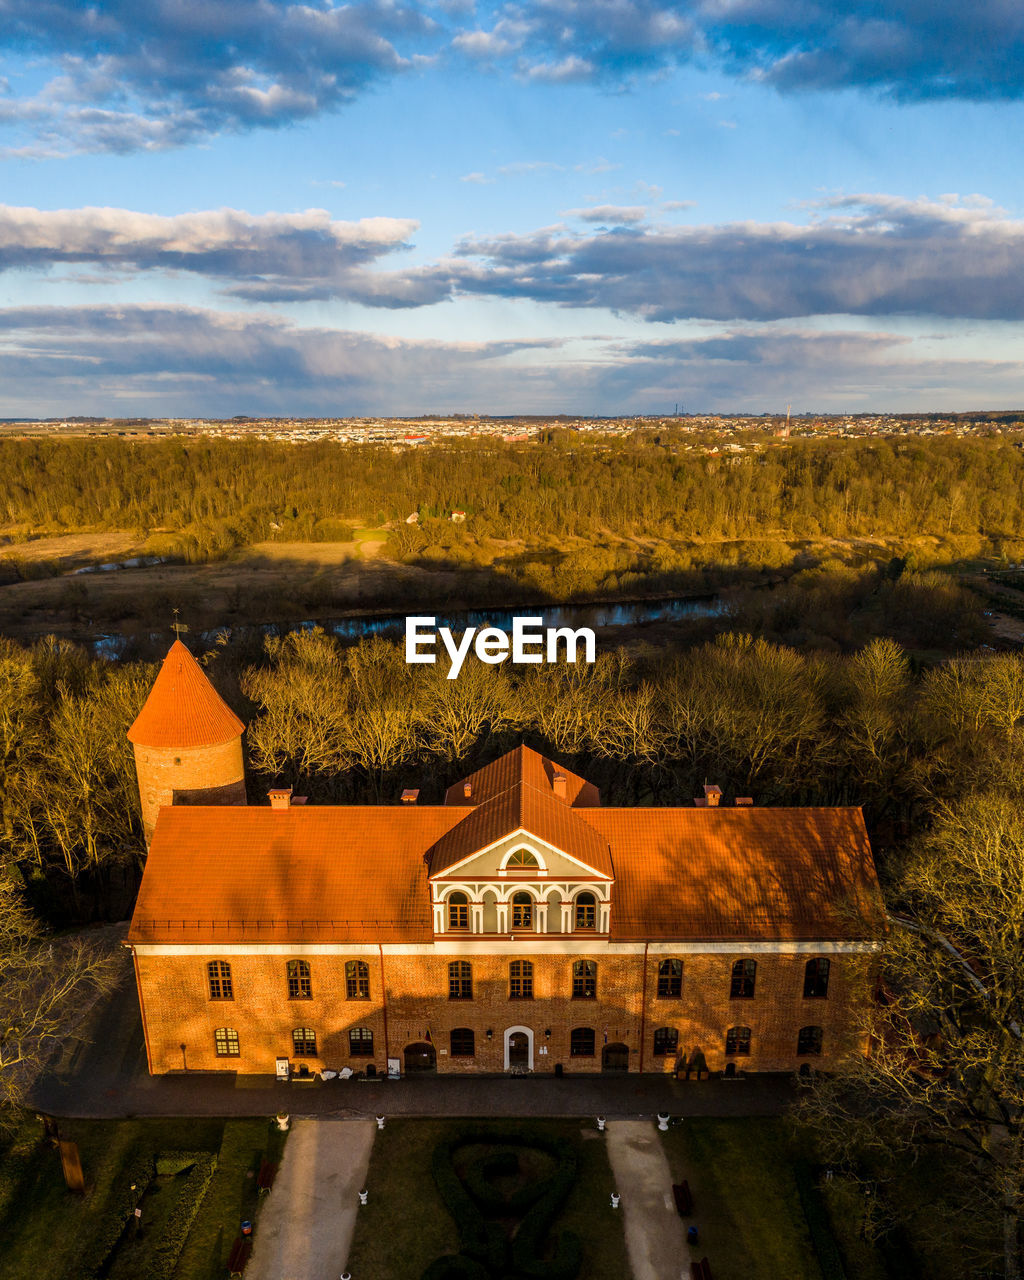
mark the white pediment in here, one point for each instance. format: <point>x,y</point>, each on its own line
<point>509,859</point>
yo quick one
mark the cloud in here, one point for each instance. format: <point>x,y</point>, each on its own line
<point>271,256</point>
<point>480,179</point>
<point>677,206</point>
<point>190,361</point>
<point>613,213</point>
<point>874,255</point>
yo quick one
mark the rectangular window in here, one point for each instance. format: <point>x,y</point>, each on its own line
<point>304,1042</point>
<point>520,980</point>
<point>584,980</point>
<point>226,1041</point>
<point>665,1041</point>
<point>300,986</point>
<point>670,979</point>
<point>581,1042</point>
<point>463,1042</point>
<point>737,1041</point>
<point>357,980</point>
<point>218,973</point>
<point>360,1042</point>
<point>460,980</point>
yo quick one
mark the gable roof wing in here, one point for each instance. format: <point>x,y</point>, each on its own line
<point>523,764</point>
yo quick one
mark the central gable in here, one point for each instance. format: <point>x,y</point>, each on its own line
<point>521,856</point>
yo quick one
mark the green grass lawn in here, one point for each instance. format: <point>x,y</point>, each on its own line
<point>406,1225</point>
<point>371,535</point>
<point>49,1232</point>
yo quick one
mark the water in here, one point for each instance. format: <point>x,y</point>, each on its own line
<point>392,626</point>
<point>135,562</point>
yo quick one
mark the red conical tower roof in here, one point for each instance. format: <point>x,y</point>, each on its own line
<point>183,709</point>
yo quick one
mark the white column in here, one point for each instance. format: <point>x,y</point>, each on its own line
<point>439,917</point>
<point>540,923</point>
<point>502,909</point>
<point>566,915</point>
<point>476,917</point>
<point>604,913</point>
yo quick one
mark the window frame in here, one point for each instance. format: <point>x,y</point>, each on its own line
<point>578,1042</point>
<point>666,1042</point>
<point>816,983</point>
<point>671,979</point>
<point>357,980</point>
<point>525,910</point>
<point>737,1042</point>
<point>579,906</point>
<point>458,912</point>
<point>743,980</point>
<point>460,980</point>
<point>218,974</point>
<point>816,1036</point>
<point>360,1042</point>
<point>584,983</point>
<point>228,1037</point>
<point>468,1036</point>
<point>520,975</point>
<point>300,982</point>
<point>304,1042</point>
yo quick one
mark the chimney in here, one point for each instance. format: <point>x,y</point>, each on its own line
<point>558,783</point>
<point>410,795</point>
<point>700,802</point>
<point>744,800</point>
<point>299,800</point>
<point>713,795</point>
<point>280,797</point>
<point>467,789</point>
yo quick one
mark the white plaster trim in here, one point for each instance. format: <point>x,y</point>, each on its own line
<point>512,835</point>
<point>509,1033</point>
<point>546,944</point>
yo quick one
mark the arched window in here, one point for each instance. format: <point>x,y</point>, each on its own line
<point>586,911</point>
<point>816,978</point>
<point>458,911</point>
<point>584,980</point>
<point>522,911</point>
<point>522,860</point>
<point>360,1042</point>
<point>460,980</point>
<point>357,980</point>
<point>225,1041</point>
<point>737,1040</point>
<point>744,975</point>
<point>218,973</point>
<point>808,1041</point>
<point>666,1040</point>
<point>304,1042</point>
<point>463,1042</point>
<point>520,980</point>
<point>581,1042</point>
<point>300,986</point>
<point>670,978</point>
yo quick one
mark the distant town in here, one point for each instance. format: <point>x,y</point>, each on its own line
<point>431,429</point>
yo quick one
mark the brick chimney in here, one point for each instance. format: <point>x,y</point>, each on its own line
<point>467,789</point>
<point>410,795</point>
<point>558,784</point>
<point>744,800</point>
<point>713,795</point>
<point>280,797</point>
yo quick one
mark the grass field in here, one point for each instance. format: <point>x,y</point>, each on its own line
<point>405,1225</point>
<point>48,1232</point>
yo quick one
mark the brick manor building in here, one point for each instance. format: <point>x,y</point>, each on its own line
<point>518,925</point>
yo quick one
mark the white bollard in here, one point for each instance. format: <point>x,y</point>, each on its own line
<point>363,1196</point>
<point>662,1122</point>
<point>380,1123</point>
<point>600,1124</point>
<point>615,1200</point>
<point>282,1121</point>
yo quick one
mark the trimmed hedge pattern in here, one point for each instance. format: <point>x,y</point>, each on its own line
<point>165,1252</point>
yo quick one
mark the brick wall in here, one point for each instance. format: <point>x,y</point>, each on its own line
<point>193,775</point>
<point>178,1010</point>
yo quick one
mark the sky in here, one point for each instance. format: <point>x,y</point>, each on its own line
<point>220,207</point>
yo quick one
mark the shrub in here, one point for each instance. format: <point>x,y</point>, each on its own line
<point>139,1171</point>
<point>165,1253</point>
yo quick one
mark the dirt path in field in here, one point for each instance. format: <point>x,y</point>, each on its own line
<point>655,1239</point>
<point>305,1228</point>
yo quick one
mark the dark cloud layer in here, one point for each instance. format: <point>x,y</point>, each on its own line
<point>130,75</point>
<point>177,360</point>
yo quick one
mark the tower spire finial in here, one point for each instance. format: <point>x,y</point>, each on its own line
<point>179,628</point>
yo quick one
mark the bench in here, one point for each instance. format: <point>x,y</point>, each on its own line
<point>701,1270</point>
<point>239,1255</point>
<point>265,1177</point>
<point>683,1198</point>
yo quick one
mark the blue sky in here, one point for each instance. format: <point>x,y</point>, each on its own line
<point>609,206</point>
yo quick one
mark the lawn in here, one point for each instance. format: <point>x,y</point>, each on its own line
<point>406,1225</point>
<point>47,1231</point>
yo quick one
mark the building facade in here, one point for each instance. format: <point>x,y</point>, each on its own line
<point>520,925</point>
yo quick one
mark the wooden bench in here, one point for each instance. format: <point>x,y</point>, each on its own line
<point>265,1177</point>
<point>701,1270</point>
<point>239,1255</point>
<point>683,1197</point>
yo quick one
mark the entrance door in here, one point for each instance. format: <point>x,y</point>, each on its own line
<point>518,1051</point>
<point>420,1057</point>
<point>615,1057</point>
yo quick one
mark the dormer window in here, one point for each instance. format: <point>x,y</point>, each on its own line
<point>522,911</point>
<point>458,911</point>
<point>586,911</point>
<point>522,860</point>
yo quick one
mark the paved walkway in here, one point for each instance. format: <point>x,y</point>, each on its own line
<point>305,1228</point>
<point>655,1239</point>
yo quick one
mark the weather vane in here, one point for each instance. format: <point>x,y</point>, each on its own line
<point>179,628</point>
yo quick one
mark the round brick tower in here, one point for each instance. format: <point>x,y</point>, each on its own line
<point>187,740</point>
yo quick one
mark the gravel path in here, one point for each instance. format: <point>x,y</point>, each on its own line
<point>305,1228</point>
<point>655,1239</point>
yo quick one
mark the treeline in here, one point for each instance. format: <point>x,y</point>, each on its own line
<point>218,494</point>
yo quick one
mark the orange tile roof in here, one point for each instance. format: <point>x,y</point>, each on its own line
<point>183,708</point>
<point>306,874</point>
<point>523,765</point>
<point>735,874</point>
